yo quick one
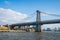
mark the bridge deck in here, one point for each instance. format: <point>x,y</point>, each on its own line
<point>42,22</point>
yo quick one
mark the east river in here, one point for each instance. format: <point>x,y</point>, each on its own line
<point>29,36</point>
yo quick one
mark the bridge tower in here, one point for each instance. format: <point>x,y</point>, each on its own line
<point>38,19</point>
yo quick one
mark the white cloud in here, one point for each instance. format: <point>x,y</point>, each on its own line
<point>10,16</point>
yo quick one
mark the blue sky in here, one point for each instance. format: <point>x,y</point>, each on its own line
<point>27,8</point>
<point>30,6</point>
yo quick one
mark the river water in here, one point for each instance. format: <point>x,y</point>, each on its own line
<point>29,36</point>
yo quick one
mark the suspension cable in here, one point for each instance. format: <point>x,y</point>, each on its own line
<point>51,14</point>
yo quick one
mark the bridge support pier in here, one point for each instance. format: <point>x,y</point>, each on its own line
<point>38,19</point>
